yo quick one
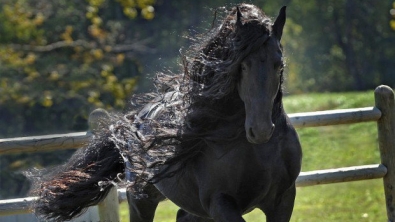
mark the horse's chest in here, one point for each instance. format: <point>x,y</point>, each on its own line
<point>244,173</point>
<point>243,170</point>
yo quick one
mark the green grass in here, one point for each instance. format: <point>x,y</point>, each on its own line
<point>324,148</point>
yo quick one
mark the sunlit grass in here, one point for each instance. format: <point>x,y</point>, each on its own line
<point>323,148</point>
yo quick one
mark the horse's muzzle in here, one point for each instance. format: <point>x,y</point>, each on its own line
<point>259,136</point>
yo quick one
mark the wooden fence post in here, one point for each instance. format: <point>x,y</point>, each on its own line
<point>109,207</point>
<point>98,119</point>
<point>384,99</point>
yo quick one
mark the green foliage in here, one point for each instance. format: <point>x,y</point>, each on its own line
<point>338,45</point>
<point>325,148</point>
<point>69,55</point>
<point>329,45</point>
<point>58,61</point>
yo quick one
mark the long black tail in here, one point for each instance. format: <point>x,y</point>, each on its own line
<point>82,182</point>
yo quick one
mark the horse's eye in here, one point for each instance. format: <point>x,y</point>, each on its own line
<point>243,67</point>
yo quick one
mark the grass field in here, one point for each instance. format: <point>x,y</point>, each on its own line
<point>324,148</point>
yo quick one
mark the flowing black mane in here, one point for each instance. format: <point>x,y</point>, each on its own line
<point>198,107</point>
<point>166,129</point>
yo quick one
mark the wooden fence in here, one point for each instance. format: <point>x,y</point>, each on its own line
<point>383,112</point>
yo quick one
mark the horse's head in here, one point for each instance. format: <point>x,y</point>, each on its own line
<point>260,80</point>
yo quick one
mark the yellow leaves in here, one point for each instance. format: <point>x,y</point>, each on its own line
<point>23,99</point>
<point>54,76</point>
<point>46,100</point>
<point>130,8</point>
<point>25,64</point>
<point>79,85</point>
<point>66,35</point>
<point>148,12</point>
<point>89,15</point>
<point>96,31</point>
<point>97,53</point>
<point>39,19</point>
<point>118,89</point>
<point>89,57</point>
<point>96,3</point>
<point>13,58</point>
<point>19,164</point>
<point>119,103</point>
<point>129,85</point>
<point>17,11</point>
<point>392,24</point>
<point>93,97</point>
<point>107,48</point>
<point>3,83</point>
<point>130,12</point>
<point>92,15</point>
<point>127,3</point>
<point>106,70</point>
<point>20,22</point>
<point>87,79</point>
<point>145,3</point>
<point>97,21</point>
<point>30,58</point>
<point>120,58</point>
<point>111,79</point>
<point>31,74</point>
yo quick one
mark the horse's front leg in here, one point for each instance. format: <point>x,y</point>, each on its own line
<point>223,208</point>
<point>143,209</point>
<point>183,216</point>
<point>282,211</point>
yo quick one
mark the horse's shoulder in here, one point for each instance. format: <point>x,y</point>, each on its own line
<point>291,150</point>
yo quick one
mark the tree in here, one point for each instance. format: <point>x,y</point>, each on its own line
<point>65,54</point>
<point>339,45</point>
<point>58,61</point>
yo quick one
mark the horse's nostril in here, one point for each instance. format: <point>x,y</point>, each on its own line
<point>252,135</point>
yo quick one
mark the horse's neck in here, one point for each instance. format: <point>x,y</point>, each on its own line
<point>280,118</point>
<point>216,119</point>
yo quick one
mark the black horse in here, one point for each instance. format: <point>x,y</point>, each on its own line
<point>215,140</point>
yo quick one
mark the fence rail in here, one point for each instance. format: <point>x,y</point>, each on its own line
<point>77,140</point>
<point>383,112</point>
<point>21,205</point>
<point>317,177</point>
<point>44,143</point>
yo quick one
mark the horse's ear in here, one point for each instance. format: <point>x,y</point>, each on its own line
<point>277,28</point>
<point>238,17</point>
